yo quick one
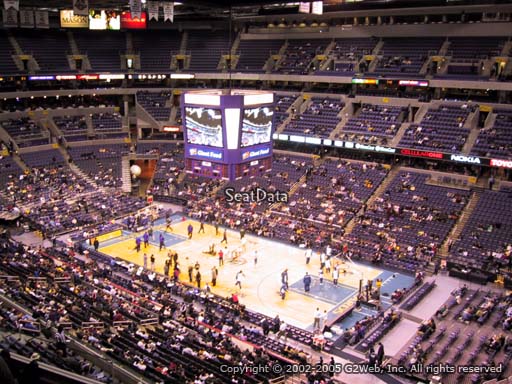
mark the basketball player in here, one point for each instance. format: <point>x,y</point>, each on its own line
<point>309,252</point>
<point>221,258</point>
<point>328,265</point>
<point>284,278</point>
<point>215,273</point>
<point>190,230</point>
<point>201,227</point>
<point>198,279</point>
<point>190,273</point>
<point>322,260</point>
<point>152,259</point>
<point>282,291</point>
<point>317,318</point>
<point>307,282</point>
<point>146,239</point>
<point>239,277</point>
<point>335,275</point>
<point>167,266</point>
<point>255,254</point>
<point>162,241</point>
<point>225,236</point>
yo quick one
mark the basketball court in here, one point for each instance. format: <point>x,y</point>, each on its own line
<point>261,281</point>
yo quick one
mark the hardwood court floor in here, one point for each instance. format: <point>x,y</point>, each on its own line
<point>261,284</point>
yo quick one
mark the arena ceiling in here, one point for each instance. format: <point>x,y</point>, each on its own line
<point>186,10</point>
<point>258,4</point>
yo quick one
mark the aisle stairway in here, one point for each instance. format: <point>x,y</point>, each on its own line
<point>126,175</point>
<point>461,222</point>
<point>378,192</point>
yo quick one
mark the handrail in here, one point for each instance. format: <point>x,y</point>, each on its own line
<point>55,370</point>
<point>100,359</point>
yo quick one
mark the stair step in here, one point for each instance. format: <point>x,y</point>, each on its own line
<point>461,222</point>
<point>378,192</point>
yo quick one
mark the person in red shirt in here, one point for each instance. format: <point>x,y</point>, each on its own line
<point>221,258</point>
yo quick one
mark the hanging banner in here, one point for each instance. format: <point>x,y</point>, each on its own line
<point>42,19</point>
<point>317,7</point>
<point>135,9</point>
<point>26,18</point>
<point>81,7</point>
<point>15,4</point>
<point>304,7</point>
<point>168,12</point>
<point>153,10</point>
<point>10,18</point>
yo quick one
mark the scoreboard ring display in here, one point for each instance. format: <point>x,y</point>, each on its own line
<point>228,134</point>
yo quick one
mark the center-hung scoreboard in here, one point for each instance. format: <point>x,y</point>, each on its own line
<point>228,134</point>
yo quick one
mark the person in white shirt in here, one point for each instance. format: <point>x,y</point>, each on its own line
<point>239,278</point>
<point>328,265</point>
<point>282,331</point>
<point>309,253</point>
<point>335,276</point>
<point>317,318</point>
<point>140,365</point>
<point>323,320</point>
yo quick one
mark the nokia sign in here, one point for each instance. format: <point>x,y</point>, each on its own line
<point>465,159</point>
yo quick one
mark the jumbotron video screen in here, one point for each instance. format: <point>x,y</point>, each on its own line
<point>257,126</point>
<point>204,126</point>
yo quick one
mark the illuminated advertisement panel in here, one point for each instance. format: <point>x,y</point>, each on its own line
<point>464,159</point>
<point>211,154</point>
<point>418,153</point>
<point>256,153</point>
<point>204,126</point>
<point>41,77</point>
<point>413,83</point>
<point>257,126</point>
<point>501,163</point>
<point>128,22</point>
<point>365,81</point>
<point>69,20</point>
<point>104,20</point>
